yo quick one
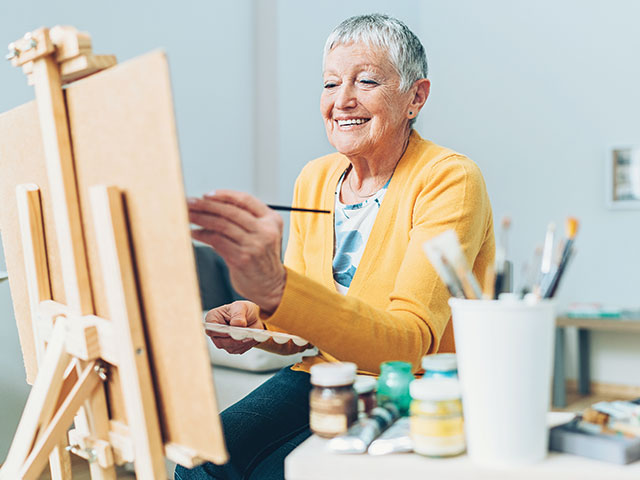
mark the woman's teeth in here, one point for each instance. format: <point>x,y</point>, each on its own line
<point>353,121</point>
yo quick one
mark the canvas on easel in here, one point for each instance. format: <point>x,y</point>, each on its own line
<point>126,167</point>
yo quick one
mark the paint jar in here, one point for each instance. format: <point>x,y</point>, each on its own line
<point>365,387</point>
<point>333,400</point>
<point>436,423</point>
<point>440,365</point>
<point>393,385</point>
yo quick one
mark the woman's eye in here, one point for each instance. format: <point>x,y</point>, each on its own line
<point>369,82</point>
<point>329,85</point>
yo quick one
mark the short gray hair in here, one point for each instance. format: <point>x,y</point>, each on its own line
<point>405,50</point>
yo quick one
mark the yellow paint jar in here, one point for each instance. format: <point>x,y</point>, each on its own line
<point>436,423</point>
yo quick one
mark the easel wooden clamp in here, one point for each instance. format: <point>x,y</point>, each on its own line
<point>75,348</point>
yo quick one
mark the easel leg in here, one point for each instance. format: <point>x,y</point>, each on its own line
<point>87,383</point>
<point>39,286</point>
<point>44,393</point>
<point>122,296</point>
<point>60,462</point>
<point>93,422</point>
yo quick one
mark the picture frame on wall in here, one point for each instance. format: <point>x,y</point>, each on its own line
<point>623,178</point>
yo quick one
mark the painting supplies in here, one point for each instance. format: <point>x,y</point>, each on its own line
<point>571,228</point>
<point>544,277</point>
<point>393,385</point>
<point>436,426</point>
<point>444,270</point>
<point>502,266</point>
<point>530,272</point>
<point>445,249</point>
<point>453,284</point>
<point>568,251</point>
<point>285,208</point>
<point>504,357</point>
<point>553,287</point>
<point>365,387</point>
<point>489,283</point>
<point>619,410</point>
<point>576,438</point>
<point>358,438</point>
<point>440,365</point>
<point>614,417</point>
<point>333,401</point>
<point>395,439</point>
<point>257,334</point>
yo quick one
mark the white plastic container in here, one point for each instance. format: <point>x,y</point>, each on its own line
<point>505,357</point>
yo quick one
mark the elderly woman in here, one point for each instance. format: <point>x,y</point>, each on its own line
<point>356,284</point>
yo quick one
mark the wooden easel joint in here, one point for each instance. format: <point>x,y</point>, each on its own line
<point>91,449</point>
<point>71,48</point>
<point>32,46</point>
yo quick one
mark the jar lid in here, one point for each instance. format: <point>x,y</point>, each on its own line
<point>435,389</point>
<point>333,374</point>
<point>365,384</point>
<point>396,366</point>
<point>440,362</point>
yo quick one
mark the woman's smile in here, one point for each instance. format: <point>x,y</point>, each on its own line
<point>348,124</point>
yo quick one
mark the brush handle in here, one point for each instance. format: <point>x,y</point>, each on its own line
<point>553,287</point>
<point>296,209</point>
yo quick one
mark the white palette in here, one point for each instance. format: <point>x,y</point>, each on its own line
<point>242,333</point>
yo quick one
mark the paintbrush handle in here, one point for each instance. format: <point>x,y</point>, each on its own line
<point>553,287</point>
<point>296,209</point>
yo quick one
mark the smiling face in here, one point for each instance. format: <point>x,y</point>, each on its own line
<point>363,110</point>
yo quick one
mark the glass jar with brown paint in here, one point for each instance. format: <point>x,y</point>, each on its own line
<point>333,400</point>
<point>365,387</point>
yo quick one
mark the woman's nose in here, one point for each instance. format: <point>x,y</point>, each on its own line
<point>346,97</point>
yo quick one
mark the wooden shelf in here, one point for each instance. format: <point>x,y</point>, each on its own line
<point>609,324</point>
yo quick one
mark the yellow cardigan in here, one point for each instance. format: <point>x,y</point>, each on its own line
<point>396,307</point>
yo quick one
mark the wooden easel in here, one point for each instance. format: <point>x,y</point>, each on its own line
<point>76,348</point>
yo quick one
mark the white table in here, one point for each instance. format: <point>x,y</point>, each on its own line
<point>312,461</point>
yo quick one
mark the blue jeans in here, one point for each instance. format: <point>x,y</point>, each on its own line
<point>261,430</point>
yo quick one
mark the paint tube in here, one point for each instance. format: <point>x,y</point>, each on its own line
<point>363,432</point>
<point>395,439</point>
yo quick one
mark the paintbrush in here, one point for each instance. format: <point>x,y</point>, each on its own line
<point>444,270</point>
<point>545,276</point>
<point>285,208</point>
<point>568,251</point>
<point>489,283</point>
<point>501,258</point>
<point>446,246</point>
<point>530,271</point>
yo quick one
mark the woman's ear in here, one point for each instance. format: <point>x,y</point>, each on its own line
<point>420,89</point>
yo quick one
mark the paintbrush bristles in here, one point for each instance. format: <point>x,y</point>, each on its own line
<point>489,283</point>
<point>572,227</point>
<point>505,225</point>
<point>446,248</point>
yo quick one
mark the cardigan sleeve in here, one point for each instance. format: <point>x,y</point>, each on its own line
<point>453,197</point>
<point>294,260</point>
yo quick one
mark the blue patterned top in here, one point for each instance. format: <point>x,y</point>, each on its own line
<point>352,226</point>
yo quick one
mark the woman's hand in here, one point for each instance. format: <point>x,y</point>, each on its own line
<point>236,314</point>
<point>248,236</point>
